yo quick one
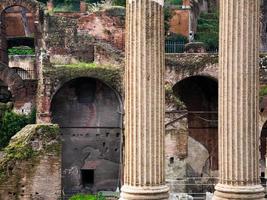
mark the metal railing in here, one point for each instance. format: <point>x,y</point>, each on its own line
<point>26,74</point>
<point>197,187</point>
<point>174,46</point>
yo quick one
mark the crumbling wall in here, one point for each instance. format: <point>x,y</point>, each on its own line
<point>107,25</point>
<point>30,167</point>
<point>71,40</point>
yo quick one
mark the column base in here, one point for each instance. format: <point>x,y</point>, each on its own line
<point>227,192</point>
<point>145,192</point>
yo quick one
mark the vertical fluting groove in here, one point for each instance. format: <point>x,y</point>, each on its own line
<point>139,95</point>
<point>127,96</point>
<point>158,97</point>
<point>146,68</point>
<point>238,102</point>
<point>246,109</point>
<point>149,32</point>
<point>239,165</point>
<point>221,149</point>
<point>163,94</point>
<point>134,18</point>
<point>155,95</point>
<point>257,38</point>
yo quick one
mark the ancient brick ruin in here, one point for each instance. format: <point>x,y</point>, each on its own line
<point>76,79</point>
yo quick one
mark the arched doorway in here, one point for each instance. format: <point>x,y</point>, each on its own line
<point>89,114</point>
<point>200,96</point>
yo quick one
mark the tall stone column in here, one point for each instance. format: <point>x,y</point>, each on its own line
<point>144,174</point>
<point>238,101</point>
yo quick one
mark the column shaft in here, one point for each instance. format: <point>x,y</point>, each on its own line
<point>144,174</point>
<point>238,101</point>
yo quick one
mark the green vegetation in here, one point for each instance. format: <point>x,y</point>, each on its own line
<point>174,2</point>
<point>11,123</point>
<point>80,65</point>
<point>119,3</point>
<point>99,196</point>
<point>21,51</point>
<point>263,91</point>
<point>172,99</point>
<point>21,149</point>
<point>208,30</point>
<point>177,37</point>
<point>167,17</point>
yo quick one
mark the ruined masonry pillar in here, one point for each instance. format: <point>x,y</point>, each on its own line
<point>144,173</point>
<point>238,101</point>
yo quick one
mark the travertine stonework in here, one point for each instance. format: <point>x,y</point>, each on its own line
<point>238,101</point>
<point>144,173</point>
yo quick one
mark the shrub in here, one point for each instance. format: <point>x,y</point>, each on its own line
<point>99,196</point>
<point>174,2</point>
<point>21,51</point>
<point>11,123</point>
<point>177,37</point>
<point>208,30</point>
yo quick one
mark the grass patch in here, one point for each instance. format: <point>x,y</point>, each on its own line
<point>99,196</point>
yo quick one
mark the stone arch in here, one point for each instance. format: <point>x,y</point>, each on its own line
<point>200,95</point>
<point>175,73</point>
<point>88,112</point>
<point>31,5</point>
<point>56,79</point>
<point>204,84</point>
<point>59,83</point>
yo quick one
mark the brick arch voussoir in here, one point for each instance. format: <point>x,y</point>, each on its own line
<point>31,5</point>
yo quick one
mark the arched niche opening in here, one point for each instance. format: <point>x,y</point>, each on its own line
<point>89,115</point>
<point>200,95</point>
<point>18,31</point>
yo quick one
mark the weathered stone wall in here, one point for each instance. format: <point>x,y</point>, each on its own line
<point>107,25</point>
<point>88,142</point>
<point>79,39</point>
<point>15,27</point>
<point>181,66</point>
<point>31,165</point>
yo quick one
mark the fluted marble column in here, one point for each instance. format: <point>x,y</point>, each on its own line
<point>238,97</point>
<point>144,174</point>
